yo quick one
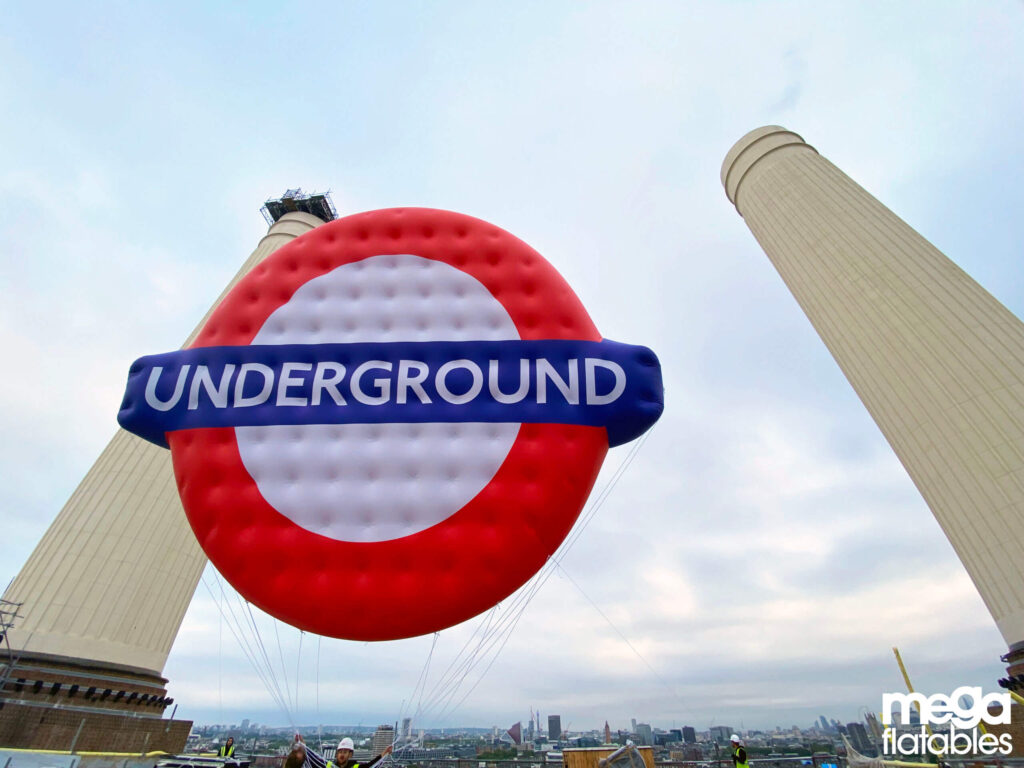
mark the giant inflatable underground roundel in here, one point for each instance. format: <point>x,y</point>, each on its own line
<point>390,424</point>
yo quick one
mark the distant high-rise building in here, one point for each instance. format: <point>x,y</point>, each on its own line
<point>937,361</point>
<point>644,734</point>
<point>607,733</point>
<point>824,723</point>
<point>689,735</point>
<point>554,727</point>
<point>245,724</point>
<point>675,734</point>
<point>632,725</point>
<point>721,733</point>
<point>407,728</point>
<point>383,737</point>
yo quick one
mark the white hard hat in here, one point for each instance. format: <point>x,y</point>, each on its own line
<point>735,738</point>
<point>346,743</point>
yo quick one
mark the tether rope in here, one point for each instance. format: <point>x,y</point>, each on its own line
<point>420,687</point>
<point>319,729</point>
<point>298,660</point>
<point>266,660</point>
<point>242,637</point>
<point>271,687</point>
<point>280,655</point>
<point>271,682</point>
<point>443,693</point>
<point>421,684</point>
<point>660,678</point>
<point>269,676</point>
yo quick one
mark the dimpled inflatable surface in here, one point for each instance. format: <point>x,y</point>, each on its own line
<point>379,531</point>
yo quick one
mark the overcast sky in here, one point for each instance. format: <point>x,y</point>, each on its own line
<point>765,549</point>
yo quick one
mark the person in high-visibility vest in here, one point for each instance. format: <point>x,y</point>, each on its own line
<point>227,749</point>
<point>739,754</point>
<point>310,758</point>
<point>343,756</point>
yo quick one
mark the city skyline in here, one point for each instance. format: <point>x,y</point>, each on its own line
<point>367,731</point>
<point>765,550</point>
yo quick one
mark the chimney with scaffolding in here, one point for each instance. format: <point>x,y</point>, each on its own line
<point>96,618</point>
<point>296,201</point>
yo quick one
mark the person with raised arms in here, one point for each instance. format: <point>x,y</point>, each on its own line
<point>303,756</point>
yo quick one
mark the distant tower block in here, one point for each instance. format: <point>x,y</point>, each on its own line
<point>383,738</point>
<point>937,361</point>
<point>104,593</point>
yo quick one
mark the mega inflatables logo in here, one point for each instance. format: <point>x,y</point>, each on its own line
<point>401,411</point>
<point>948,723</point>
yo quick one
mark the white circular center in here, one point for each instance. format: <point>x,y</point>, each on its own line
<point>375,482</point>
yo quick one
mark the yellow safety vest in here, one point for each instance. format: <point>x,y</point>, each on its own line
<point>736,754</point>
<point>226,751</point>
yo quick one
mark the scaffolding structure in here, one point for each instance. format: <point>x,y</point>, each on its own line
<point>295,200</point>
